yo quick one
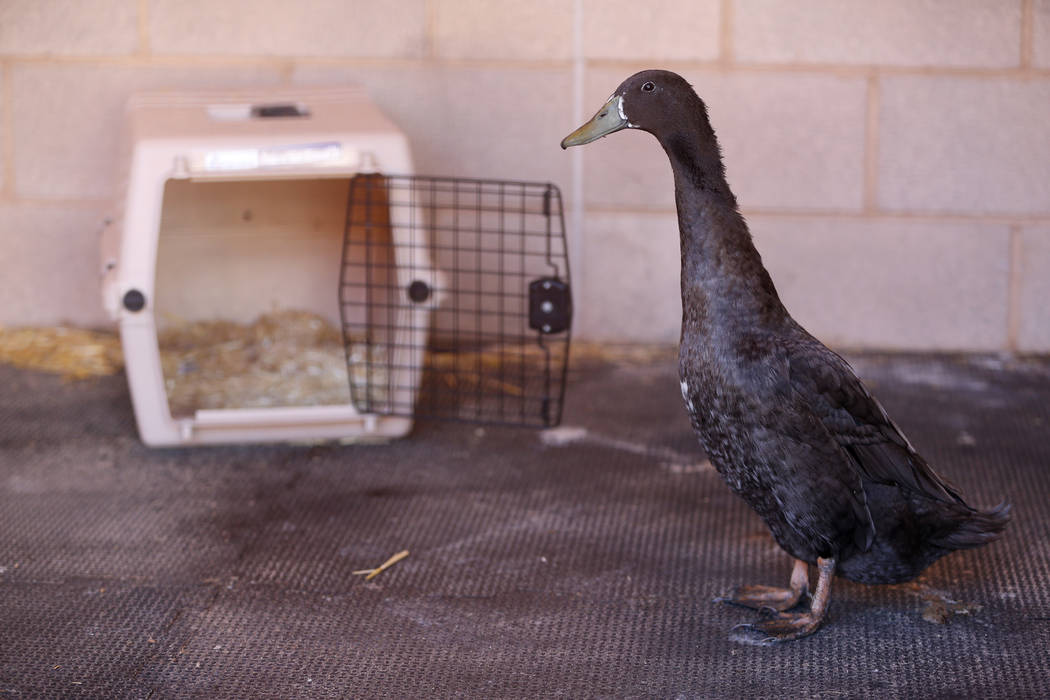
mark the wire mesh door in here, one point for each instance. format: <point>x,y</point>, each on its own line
<point>455,299</point>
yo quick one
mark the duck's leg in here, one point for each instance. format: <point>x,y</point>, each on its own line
<point>784,627</point>
<point>771,597</point>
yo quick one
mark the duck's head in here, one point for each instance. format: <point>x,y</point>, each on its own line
<point>653,101</point>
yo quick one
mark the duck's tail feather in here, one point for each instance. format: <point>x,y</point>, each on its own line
<point>975,528</point>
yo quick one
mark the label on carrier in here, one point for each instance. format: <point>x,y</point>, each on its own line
<point>229,159</point>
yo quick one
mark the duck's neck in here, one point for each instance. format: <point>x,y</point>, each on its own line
<point>724,283</point>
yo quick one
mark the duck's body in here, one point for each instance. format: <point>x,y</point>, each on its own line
<point>782,418</point>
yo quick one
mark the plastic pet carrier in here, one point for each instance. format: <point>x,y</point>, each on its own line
<point>278,272</point>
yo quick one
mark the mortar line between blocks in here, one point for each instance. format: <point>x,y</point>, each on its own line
<point>286,73</point>
<point>1004,218</point>
<point>844,70</point>
<point>144,48</point>
<point>8,146</point>
<point>1027,32</point>
<point>577,214</point>
<point>1015,264</point>
<point>725,33</point>
<point>871,144</point>
<point>682,66</point>
<point>429,28</point>
<point>188,60</point>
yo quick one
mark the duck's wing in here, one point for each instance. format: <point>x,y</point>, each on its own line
<point>858,423</point>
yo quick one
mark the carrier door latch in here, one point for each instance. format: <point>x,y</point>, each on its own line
<point>550,305</point>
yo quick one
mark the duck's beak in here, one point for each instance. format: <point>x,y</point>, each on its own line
<point>609,118</point>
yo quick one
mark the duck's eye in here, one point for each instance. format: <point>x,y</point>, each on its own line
<point>648,87</point>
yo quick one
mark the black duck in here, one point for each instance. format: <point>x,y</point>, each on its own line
<point>784,419</point>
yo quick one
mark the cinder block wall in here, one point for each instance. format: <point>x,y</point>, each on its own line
<point>892,156</point>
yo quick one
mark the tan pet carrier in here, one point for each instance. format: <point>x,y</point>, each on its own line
<point>279,273</point>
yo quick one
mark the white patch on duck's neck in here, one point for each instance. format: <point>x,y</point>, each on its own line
<point>685,396</point>
<point>619,108</point>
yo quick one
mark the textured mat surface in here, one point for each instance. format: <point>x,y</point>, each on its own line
<point>578,565</point>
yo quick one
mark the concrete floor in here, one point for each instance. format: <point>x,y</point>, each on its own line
<point>574,563</point>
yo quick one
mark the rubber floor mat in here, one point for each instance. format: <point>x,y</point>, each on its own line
<point>578,562</point>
